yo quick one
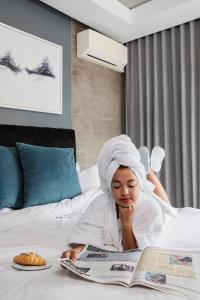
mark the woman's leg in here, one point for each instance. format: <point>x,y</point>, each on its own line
<point>159,190</point>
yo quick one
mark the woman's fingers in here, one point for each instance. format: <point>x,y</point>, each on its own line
<point>121,208</point>
<point>72,254</point>
<point>126,214</point>
<point>66,254</point>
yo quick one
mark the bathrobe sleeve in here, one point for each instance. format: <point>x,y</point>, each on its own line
<point>90,228</point>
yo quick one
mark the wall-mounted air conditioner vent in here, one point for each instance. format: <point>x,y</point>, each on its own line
<point>100,49</point>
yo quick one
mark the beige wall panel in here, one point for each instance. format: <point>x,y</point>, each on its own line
<point>98,100</point>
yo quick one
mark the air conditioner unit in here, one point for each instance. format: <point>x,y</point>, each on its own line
<point>98,48</point>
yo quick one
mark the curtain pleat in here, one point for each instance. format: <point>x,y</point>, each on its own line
<point>162,105</point>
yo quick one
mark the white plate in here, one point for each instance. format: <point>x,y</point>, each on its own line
<point>31,268</point>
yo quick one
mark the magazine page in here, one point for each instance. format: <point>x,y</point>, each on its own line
<point>165,269</point>
<point>104,266</point>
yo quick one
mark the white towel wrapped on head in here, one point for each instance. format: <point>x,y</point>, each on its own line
<point>115,152</point>
<point>99,225</point>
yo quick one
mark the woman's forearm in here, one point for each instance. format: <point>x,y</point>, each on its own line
<point>128,238</point>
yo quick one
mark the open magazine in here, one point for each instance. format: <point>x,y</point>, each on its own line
<point>173,271</point>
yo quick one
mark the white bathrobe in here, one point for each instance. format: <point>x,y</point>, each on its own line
<point>99,225</point>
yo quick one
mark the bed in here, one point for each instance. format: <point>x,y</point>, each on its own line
<point>45,228</point>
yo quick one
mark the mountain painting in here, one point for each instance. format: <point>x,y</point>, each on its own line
<point>32,66</point>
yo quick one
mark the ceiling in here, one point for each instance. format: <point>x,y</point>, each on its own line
<point>133,3</point>
<point>123,24</point>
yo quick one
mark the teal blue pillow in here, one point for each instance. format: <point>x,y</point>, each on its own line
<point>49,174</point>
<point>10,178</point>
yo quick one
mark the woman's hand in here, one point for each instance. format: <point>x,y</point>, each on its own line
<point>73,252</point>
<point>126,215</point>
<point>128,238</point>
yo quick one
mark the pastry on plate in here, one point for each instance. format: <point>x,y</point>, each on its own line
<point>29,259</point>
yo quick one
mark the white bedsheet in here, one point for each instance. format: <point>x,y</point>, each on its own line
<point>44,229</point>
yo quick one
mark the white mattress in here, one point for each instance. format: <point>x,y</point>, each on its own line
<point>44,229</point>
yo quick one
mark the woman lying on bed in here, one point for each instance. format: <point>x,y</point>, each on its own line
<point>130,213</point>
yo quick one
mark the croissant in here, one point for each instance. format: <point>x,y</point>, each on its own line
<point>29,259</point>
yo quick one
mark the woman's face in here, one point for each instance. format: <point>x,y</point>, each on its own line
<point>125,187</point>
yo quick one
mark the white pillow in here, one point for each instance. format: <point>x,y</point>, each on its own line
<point>89,179</point>
<point>5,210</point>
<point>78,167</point>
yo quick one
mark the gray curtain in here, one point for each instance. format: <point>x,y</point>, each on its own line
<point>162,105</point>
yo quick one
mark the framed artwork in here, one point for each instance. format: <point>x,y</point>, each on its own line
<point>30,72</point>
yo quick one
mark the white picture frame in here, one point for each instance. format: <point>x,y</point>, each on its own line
<point>30,72</point>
